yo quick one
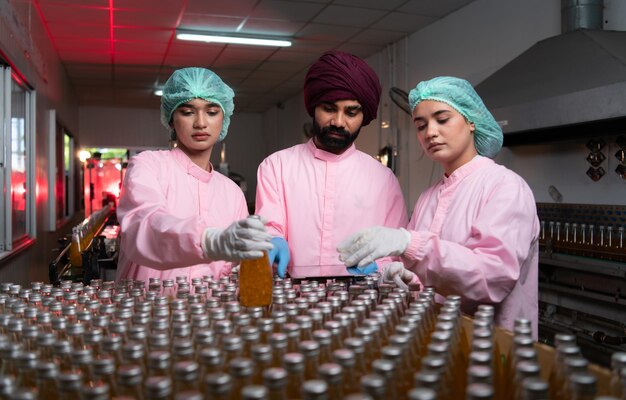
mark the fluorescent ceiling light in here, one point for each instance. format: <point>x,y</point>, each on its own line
<point>210,37</point>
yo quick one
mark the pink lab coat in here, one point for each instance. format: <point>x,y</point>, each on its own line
<point>475,233</point>
<point>167,202</point>
<point>315,199</point>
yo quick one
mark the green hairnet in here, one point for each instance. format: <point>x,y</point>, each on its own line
<point>460,95</point>
<point>196,83</point>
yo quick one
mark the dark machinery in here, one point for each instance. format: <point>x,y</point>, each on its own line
<point>582,276</point>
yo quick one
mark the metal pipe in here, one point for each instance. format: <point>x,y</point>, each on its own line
<point>581,14</point>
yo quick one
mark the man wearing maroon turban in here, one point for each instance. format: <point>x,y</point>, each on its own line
<point>314,194</point>
<point>340,76</point>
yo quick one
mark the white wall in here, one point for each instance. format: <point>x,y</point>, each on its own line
<point>471,43</point>
<point>615,15</point>
<point>121,127</point>
<point>564,166</point>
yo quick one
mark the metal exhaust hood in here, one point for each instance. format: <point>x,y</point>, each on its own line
<point>561,84</point>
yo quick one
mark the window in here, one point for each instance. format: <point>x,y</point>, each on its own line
<point>68,174</point>
<point>17,164</point>
<point>61,173</point>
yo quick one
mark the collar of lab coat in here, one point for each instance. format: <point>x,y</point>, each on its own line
<point>327,156</point>
<point>191,168</point>
<point>476,163</point>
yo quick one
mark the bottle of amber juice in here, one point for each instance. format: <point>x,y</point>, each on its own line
<point>255,281</point>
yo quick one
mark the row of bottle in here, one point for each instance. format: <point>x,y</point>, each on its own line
<point>315,341</point>
<point>83,234</point>
<point>583,234</point>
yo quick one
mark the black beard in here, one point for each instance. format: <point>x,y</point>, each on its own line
<point>331,143</point>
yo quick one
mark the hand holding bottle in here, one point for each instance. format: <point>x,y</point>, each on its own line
<point>243,239</point>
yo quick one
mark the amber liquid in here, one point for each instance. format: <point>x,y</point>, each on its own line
<point>255,282</point>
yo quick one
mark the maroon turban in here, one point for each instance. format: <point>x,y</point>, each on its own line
<point>341,76</point>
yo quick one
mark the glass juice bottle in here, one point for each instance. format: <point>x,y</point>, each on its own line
<point>255,281</point>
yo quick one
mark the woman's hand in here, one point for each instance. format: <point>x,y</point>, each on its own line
<point>395,272</point>
<point>243,239</point>
<point>370,244</point>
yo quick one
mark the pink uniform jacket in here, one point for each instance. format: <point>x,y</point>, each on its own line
<point>316,199</point>
<point>475,233</point>
<point>167,202</point>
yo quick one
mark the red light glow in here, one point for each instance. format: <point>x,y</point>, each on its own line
<point>17,78</point>
<point>114,188</point>
<point>19,190</point>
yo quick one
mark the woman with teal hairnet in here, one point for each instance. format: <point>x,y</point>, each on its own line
<point>473,233</point>
<point>178,216</point>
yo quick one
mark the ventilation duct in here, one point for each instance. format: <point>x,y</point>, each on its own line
<point>570,79</point>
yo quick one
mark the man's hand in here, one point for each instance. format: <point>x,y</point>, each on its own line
<point>370,244</point>
<point>280,255</point>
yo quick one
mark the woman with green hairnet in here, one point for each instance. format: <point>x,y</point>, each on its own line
<point>178,216</point>
<point>475,232</point>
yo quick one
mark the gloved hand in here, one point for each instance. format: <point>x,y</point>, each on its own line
<point>395,272</point>
<point>372,243</point>
<point>366,270</point>
<point>243,239</point>
<point>280,255</point>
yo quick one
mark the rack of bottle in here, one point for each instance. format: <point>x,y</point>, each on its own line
<point>582,265</point>
<point>583,229</point>
<point>356,339</point>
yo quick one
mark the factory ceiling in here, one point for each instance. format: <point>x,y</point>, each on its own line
<point>117,52</point>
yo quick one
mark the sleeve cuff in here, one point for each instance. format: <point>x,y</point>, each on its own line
<point>416,250</point>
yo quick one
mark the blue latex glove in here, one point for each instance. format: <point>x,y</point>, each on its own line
<point>280,255</point>
<point>364,270</point>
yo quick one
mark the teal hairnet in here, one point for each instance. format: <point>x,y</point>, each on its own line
<point>460,95</point>
<point>196,83</point>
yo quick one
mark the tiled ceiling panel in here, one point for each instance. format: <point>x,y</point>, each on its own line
<point>142,34</point>
<point>273,27</point>
<point>64,13</point>
<point>117,52</point>
<point>377,37</point>
<point>123,46</point>
<point>373,4</point>
<point>213,23</point>
<point>82,44</point>
<point>62,31</point>
<point>286,10</point>
<point>432,8</point>
<point>236,8</point>
<point>349,16</point>
<point>328,32</point>
<point>404,22</point>
<point>144,18</point>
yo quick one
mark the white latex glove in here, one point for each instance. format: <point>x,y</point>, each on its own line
<point>395,272</point>
<point>243,239</point>
<point>369,244</point>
